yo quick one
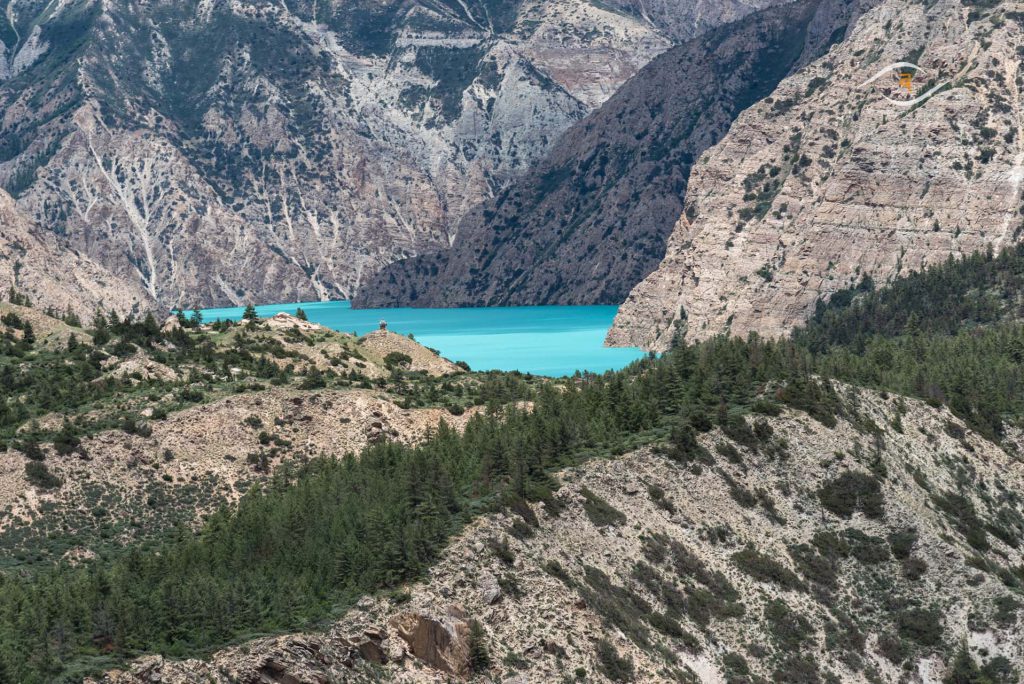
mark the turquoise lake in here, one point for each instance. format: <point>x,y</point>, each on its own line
<point>543,340</point>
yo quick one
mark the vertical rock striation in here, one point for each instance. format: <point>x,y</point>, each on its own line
<point>224,152</point>
<point>38,265</point>
<point>591,220</point>
<point>826,183</point>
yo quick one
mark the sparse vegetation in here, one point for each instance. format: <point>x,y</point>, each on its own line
<point>503,459</point>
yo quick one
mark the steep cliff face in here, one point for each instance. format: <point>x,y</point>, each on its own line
<point>40,266</point>
<point>827,182</point>
<point>809,554</point>
<point>220,152</point>
<point>591,221</point>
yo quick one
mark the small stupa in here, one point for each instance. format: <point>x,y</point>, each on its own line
<point>383,325</point>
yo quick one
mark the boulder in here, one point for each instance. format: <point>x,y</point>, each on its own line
<point>441,643</point>
<point>490,590</point>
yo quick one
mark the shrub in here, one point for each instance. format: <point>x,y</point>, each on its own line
<point>600,512</point>
<point>684,447</point>
<point>397,360</point>
<point>814,566</point>
<point>866,548</point>
<point>961,512</point>
<point>502,551</point>
<point>797,670</point>
<point>902,542</point>
<point>765,569</point>
<point>479,653</point>
<point>735,665</point>
<point>32,450</point>
<point>914,568</point>
<point>665,625</point>
<point>1006,609</point>
<point>852,492</point>
<point>920,625</point>
<point>831,545</point>
<point>40,476</point>
<point>787,628</point>
<point>615,667</point>
<point>731,453</point>
<point>555,569</point>
<point>893,648</point>
<point>657,495</point>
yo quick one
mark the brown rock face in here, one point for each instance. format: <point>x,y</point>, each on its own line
<point>441,644</point>
<point>38,264</point>
<point>826,182</point>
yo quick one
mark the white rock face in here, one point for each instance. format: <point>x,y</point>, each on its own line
<point>826,183</point>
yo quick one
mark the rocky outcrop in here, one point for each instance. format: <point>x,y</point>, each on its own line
<point>826,182</point>
<point>382,343</point>
<point>760,561</point>
<point>225,152</point>
<point>591,220</point>
<point>443,644</point>
<point>39,265</point>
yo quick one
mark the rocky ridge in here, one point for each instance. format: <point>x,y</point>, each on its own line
<point>826,182</point>
<point>761,562</point>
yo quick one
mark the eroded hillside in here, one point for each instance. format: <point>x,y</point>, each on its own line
<point>591,220</point>
<point>777,549</point>
<point>41,267</point>
<point>117,434</point>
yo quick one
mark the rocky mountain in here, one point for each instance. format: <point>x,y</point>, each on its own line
<point>219,152</point>
<point>40,266</point>
<point>807,554</point>
<point>591,220</point>
<point>827,182</point>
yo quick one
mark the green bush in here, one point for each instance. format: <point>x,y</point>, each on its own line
<point>479,652</point>
<point>40,476</point>
<point>615,667</point>
<point>921,626</point>
<point>766,569</point>
<point>787,628</point>
<point>600,512</point>
<point>851,492</point>
<point>397,360</point>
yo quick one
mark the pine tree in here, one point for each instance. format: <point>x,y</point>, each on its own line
<point>479,654</point>
<point>250,313</point>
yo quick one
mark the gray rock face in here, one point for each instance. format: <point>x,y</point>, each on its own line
<point>37,264</point>
<point>592,220</point>
<point>224,152</point>
<point>827,182</point>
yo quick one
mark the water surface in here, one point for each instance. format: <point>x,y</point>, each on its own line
<point>543,340</point>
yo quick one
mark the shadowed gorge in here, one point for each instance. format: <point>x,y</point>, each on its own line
<point>591,220</point>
